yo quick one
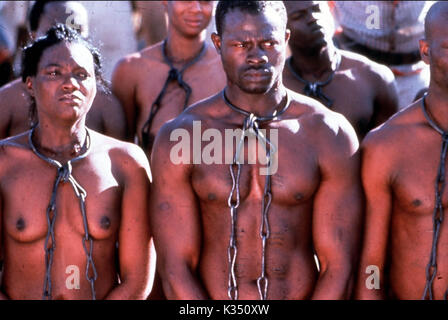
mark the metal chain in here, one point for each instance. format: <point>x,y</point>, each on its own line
<point>314,89</point>
<point>251,125</point>
<point>437,216</point>
<point>173,75</point>
<point>64,174</point>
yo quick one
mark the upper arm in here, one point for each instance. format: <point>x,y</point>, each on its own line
<point>5,114</point>
<point>174,210</point>
<point>113,118</point>
<point>136,261</point>
<point>386,97</point>
<point>124,88</point>
<point>376,183</point>
<point>338,201</point>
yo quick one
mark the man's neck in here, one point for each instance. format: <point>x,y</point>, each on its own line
<point>61,143</point>
<point>181,49</point>
<point>314,65</point>
<point>437,104</point>
<point>258,104</point>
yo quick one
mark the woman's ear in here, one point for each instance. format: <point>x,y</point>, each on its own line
<point>29,86</point>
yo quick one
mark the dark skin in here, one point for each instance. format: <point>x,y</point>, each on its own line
<point>400,163</point>
<point>106,115</point>
<point>139,78</point>
<point>315,205</point>
<point>363,91</point>
<point>115,176</point>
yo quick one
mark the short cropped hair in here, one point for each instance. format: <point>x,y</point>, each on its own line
<point>251,7</point>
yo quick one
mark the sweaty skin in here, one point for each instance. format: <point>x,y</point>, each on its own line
<point>362,90</point>
<point>139,78</point>
<point>316,191</point>
<point>399,170</point>
<point>106,115</point>
<point>114,174</point>
<point>115,177</point>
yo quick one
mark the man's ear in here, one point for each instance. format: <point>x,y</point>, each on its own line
<point>424,50</point>
<point>216,39</point>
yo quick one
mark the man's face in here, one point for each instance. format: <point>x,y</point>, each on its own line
<point>252,49</point>
<point>65,85</point>
<point>70,13</point>
<point>311,24</point>
<point>189,17</point>
<point>435,52</point>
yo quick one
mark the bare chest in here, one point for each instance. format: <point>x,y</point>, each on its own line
<point>351,96</point>
<point>27,192</point>
<point>199,81</point>
<point>292,171</point>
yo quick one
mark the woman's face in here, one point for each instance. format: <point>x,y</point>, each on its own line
<point>65,85</point>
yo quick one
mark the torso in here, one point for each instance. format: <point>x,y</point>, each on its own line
<point>26,183</point>
<point>291,268</point>
<point>413,165</point>
<point>351,90</point>
<point>205,77</point>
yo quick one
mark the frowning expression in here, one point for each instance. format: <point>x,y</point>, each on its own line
<point>252,48</point>
<point>65,86</point>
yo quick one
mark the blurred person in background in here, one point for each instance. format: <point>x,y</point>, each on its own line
<point>387,32</point>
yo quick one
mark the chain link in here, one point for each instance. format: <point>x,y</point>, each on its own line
<point>64,174</point>
<point>437,216</point>
<point>251,125</point>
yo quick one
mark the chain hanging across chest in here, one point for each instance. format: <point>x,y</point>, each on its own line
<point>438,212</point>
<point>250,126</point>
<point>173,75</point>
<point>64,175</point>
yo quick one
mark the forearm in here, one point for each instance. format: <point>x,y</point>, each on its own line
<point>184,286</point>
<point>333,284</point>
<point>128,291</point>
<point>370,284</point>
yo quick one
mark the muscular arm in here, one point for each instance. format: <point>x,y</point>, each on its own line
<point>137,265</point>
<point>378,214</point>
<point>337,212</point>
<point>386,99</point>
<point>124,89</point>
<point>176,223</point>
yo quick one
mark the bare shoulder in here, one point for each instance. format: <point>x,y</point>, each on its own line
<point>11,93</point>
<point>367,67</point>
<point>134,61</point>
<point>126,155</point>
<point>392,135</point>
<point>12,148</point>
<point>328,129</point>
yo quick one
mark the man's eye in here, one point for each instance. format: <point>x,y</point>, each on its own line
<point>239,45</point>
<point>82,75</point>
<point>269,44</point>
<point>52,73</point>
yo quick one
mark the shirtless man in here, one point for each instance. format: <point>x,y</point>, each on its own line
<point>148,87</point>
<point>68,193</point>
<point>316,195</point>
<point>106,115</point>
<point>401,163</point>
<point>358,88</point>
